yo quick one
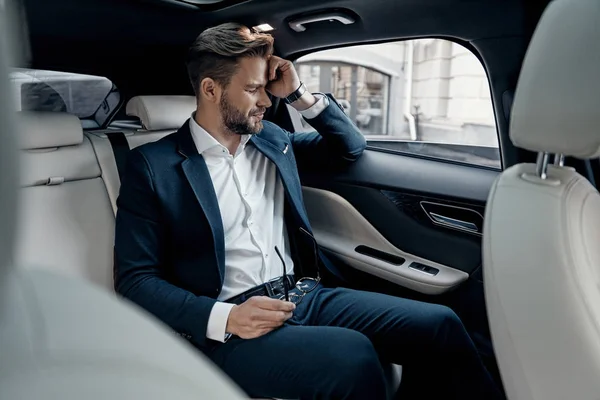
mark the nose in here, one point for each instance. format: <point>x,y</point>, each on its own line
<point>264,101</point>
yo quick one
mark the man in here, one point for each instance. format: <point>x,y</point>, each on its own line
<point>211,216</point>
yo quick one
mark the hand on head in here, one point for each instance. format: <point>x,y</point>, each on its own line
<point>283,78</point>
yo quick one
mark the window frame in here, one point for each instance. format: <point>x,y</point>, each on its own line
<point>294,57</point>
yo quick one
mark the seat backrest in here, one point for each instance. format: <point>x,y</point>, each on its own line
<point>541,250</point>
<point>159,116</point>
<point>66,221</point>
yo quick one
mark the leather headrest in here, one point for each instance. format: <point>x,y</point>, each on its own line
<point>43,129</point>
<point>161,112</point>
<point>557,101</point>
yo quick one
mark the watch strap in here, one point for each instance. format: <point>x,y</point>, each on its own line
<point>296,94</point>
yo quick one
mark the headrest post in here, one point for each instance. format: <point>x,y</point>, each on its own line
<point>543,160</point>
<point>559,160</point>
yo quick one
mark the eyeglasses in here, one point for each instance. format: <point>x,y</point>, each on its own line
<point>304,285</point>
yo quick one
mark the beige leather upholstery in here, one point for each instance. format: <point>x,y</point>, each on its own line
<point>340,228</point>
<point>161,112</point>
<point>65,339</point>
<point>541,236</point>
<point>143,137</point>
<point>556,103</point>
<point>108,167</point>
<point>541,259</point>
<point>66,221</point>
<point>49,129</point>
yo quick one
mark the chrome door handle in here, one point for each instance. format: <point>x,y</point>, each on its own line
<point>454,223</point>
<point>298,24</point>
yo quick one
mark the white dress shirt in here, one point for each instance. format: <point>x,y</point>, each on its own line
<point>251,200</point>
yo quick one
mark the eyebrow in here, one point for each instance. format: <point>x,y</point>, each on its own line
<point>256,85</point>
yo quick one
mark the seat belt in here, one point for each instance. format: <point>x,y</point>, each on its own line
<point>120,148</point>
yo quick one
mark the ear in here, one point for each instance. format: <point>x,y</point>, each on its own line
<point>209,90</point>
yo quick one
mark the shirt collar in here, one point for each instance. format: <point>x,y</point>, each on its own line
<point>204,140</point>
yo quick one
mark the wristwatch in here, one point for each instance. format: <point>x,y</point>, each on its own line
<point>296,94</point>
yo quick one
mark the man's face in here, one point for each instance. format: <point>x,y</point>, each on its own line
<point>244,101</point>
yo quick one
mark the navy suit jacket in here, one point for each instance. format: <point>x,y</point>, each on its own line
<point>169,244</point>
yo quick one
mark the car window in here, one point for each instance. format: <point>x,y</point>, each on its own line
<point>428,97</point>
<point>86,96</point>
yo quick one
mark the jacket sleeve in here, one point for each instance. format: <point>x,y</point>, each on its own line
<point>139,256</point>
<point>335,141</point>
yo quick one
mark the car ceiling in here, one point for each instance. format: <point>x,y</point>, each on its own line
<point>141,44</point>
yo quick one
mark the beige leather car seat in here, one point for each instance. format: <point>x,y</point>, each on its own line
<point>66,221</point>
<point>63,339</point>
<point>542,224</point>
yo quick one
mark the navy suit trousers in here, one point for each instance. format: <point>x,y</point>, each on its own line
<point>338,339</point>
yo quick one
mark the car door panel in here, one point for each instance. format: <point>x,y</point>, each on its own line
<point>342,230</point>
<point>426,211</point>
<point>394,170</point>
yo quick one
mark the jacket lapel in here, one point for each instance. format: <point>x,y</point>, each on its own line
<point>196,172</point>
<point>287,173</point>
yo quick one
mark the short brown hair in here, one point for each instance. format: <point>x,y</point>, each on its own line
<point>215,52</point>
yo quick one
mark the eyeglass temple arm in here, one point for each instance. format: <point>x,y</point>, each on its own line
<point>285,286</point>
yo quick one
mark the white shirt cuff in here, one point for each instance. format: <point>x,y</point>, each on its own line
<point>217,321</point>
<point>317,108</point>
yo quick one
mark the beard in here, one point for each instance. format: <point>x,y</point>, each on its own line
<point>237,121</point>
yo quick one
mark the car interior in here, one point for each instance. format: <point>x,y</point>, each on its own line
<point>68,338</point>
<point>398,221</point>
